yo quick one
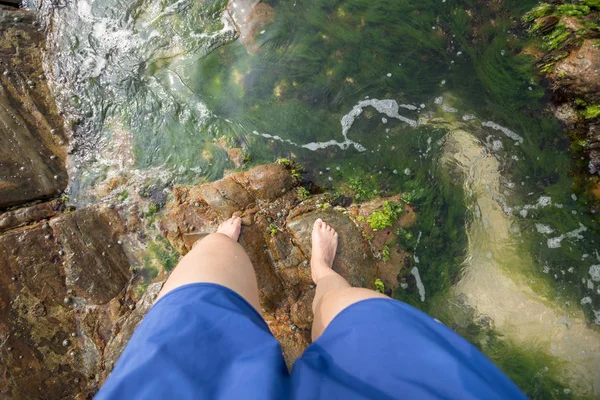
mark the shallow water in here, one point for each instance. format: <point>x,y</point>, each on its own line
<point>428,98</point>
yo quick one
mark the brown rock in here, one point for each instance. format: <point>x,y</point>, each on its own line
<point>34,320</point>
<point>96,266</point>
<point>62,288</point>
<point>277,238</point>
<point>580,72</point>
<point>236,155</point>
<point>127,326</point>
<point>31,157</point>
<point>225,196</point>
<point>267,182</point>
<point>27,215</point>
<point>354,260</point>
<point>250,17</point>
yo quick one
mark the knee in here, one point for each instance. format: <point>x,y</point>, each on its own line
<point>334,301</point>
<point>214,239</point>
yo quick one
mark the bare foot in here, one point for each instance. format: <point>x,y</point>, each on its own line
<point>231,227</point>
<point>324,246</point>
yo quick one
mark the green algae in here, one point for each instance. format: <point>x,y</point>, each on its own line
<point>381,219</point>
<point>379,286</point>
<point>591,111</point>
<point>302,193</point>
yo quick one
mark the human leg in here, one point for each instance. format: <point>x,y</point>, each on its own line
<point>333,293</point>
<point>218,258</point>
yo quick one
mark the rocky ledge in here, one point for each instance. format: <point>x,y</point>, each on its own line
<point>568,54</point>
<point>33,150</point>
<point>278,214</point>
<point>69,287</point>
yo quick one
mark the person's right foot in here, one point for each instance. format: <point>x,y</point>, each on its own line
<point>231,227</point>
<point>324,246</point>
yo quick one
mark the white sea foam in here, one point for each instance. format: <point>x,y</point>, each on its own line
<point>506,131</point>
<point>554,243</point>
<point>415,272</point>
<point>545,229</point>
<point>594,272</point>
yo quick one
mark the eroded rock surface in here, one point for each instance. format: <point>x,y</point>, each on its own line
<point>276,234</point>
<point>63,295</point>
<point>580,72</point>
<point>32,141</point>
<point>250,18</point>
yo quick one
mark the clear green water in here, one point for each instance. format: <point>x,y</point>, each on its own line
<point>170,77</point>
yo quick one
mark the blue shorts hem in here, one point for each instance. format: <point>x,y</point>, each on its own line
<point>191,286</point>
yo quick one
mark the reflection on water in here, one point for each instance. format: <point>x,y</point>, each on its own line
<point>427,98</point>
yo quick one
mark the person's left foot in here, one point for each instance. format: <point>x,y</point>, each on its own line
<point>231,227</point>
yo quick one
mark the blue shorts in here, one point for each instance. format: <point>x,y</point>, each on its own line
<point>204,341</point>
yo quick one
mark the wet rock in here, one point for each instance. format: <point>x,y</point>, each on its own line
<point>27,215</point>
<point>579,73</point>
<point>350,261</point>
<point>126,327</point>
<point>95,270</point>
<point>34,321</point>
<point>276,235</point>
<point>63,305</point>
<point>251,17</point>
<point>31,159</point>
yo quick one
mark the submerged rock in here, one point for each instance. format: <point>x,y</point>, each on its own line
<point>31,158</point>
<point>276,234</point>
<point>250,17</point>
<point>579,73</point>
<point>63,293</point>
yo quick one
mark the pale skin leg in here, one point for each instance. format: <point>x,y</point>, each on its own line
<point>333,293</point>
<point>218,258</point>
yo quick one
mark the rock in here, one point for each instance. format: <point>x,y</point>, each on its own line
<point>236,155</point>
<point>31,159</point>
<point>34,321</point>
<point>276,235</point>
<point>94,268</point>
<point>127,325</point>
<point>27,215</point>
<point>250,18</point>
<point>350,261</point>
<point>579,73</point>
<point>50,289</point>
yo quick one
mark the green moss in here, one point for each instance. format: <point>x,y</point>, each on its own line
<point>580,145</point>
<point>123,195</point>
<point>591,111</point>
<point>385,253</point>
<point>284,161</point>
<point>362,189</point>
<point>302,193</point>
<point>556,38</point>
<point>246,157</point>
<point>323,206</point>
<point>273,230</point>
<point>592,3</point>
<point>573,10</point>
<point>140,289</point>
<point>379,286</point>
<point>162,251</point>
<point>547,68</point>
<point>542,10</point>
<point>297,171</point>
<point>385,217</point>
